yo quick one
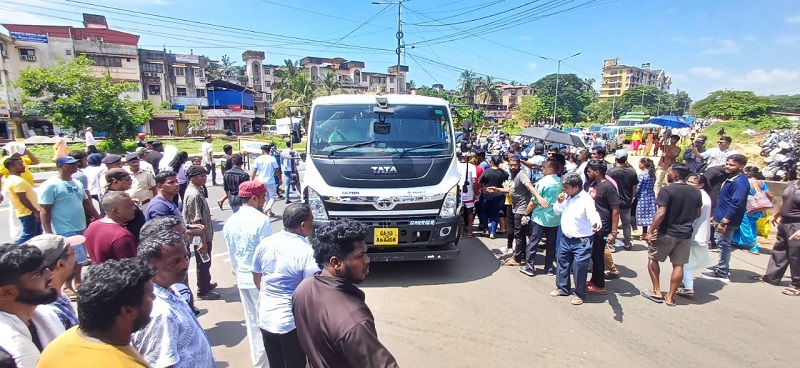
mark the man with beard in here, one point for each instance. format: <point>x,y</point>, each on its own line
<point>173,338</point>
<point>26,325</point>
<point>606,200</point>
<point>60,259</point>
<point>521,190</point>
<point>115,300</point>
<point>334,324</point>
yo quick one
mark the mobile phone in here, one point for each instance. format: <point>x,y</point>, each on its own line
<point>204,257</point>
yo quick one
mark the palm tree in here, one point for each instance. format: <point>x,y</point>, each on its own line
<point>329,85</point>
<point>229,67</point>
<point>467,82</point>
<point>412,85</point>
<point>299,90</point>
<point>488,91</point>
<point>285,74</point>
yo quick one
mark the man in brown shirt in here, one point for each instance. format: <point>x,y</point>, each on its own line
<point>334,324</point>
<point>197,211</point>
<point>669,156</point>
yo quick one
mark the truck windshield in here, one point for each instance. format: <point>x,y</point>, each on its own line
<point>417,130</point>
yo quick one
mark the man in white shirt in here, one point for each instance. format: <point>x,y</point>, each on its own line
<point>91,143</point>
<point>243,231</point>
<point>716,156</point>
<point>207,159</point>
<point>281,262</point>
<point>27,324</point>
<point>469,186</point>
<point>143,187</point>
<point>579,221</point>
<point>267,172</point>
<point>289,162</point>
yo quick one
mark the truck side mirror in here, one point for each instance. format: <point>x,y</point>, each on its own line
<point>467,127</point>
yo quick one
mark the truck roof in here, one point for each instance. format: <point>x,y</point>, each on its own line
<point>370,99</point>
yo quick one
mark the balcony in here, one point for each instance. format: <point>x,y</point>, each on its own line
<point>259,97</point>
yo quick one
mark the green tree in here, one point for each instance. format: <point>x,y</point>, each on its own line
<point>488,91</point>
<point>681,103</point>
<point>70,96</point>
<point>650,100</point>
<point>600,112</point>
<point>786,103</point>
<point>531,109</point>
<point>295,86</point>
<point>213,70</point>
<point>430,92</point>
<point>733,105</point>
<point>574,94</point>
<point>467,85</point>
<point>329,85</point>
<point>229,67</point>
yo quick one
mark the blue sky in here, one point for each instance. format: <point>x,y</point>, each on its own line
<point>704,45</point>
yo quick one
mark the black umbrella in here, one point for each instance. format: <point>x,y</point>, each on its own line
<point>552,135</point>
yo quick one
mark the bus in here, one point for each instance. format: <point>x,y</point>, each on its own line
<point>630,120</point>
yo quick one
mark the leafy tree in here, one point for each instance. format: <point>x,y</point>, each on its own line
<point>600,112</point>
<point>574,94</point>
<point>681,103</point>
<point>488,91</point>
<point>786,103</point>
<point>329,85</point>
<point>229,66</point>
<point>430,92</point>
<point>733,105</point>
<point>295,86</point>
<point>467,85</point>
<point>647,99</point>
<point>213,70</point>
<point>531,109</point>
<point>70,96</point>
<point>412,84</point>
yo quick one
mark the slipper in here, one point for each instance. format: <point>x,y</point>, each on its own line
<point>668,304</point>
<point>510,262</point>
<point>646,293</point>
<point>685,293</point>
<point>591,289</point>
<point>220,205</point>
<point>791,292</point>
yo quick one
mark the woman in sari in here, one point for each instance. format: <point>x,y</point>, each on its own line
<point>648,142</point>
<point>636,141</point>
<point>746,237</point>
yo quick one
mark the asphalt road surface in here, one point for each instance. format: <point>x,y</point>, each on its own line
<point>471,312</point>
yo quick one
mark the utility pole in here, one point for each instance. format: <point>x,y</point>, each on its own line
<point>558,72</point>
<point>399,36</point>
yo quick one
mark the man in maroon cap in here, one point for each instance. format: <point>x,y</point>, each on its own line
<point>243,231</point>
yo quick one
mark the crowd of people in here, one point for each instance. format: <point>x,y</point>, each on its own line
<point>578,204</point>
<point>125,267</point>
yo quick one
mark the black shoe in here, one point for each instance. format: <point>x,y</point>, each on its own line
<point>196,311</point>
<point>611,276</point>
<point>209,296</point>
<point>212,286</point>
<point>288,201</point>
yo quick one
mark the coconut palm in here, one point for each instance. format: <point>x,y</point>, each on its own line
<point>329,85</point>
<point>467,82</point>
<point>488,91</point>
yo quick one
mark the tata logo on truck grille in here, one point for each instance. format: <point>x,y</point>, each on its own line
<point>384,170</point>
<point>384,203</point>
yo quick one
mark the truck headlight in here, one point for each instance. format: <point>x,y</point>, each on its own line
<point>450,204</point>
<point>317,207</point>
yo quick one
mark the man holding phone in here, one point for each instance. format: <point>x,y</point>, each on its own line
<point>197,211</point>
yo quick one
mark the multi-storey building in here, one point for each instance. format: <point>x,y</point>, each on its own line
<point>114,54</point>
<point>176,85</point>
<point>510,97</point>
<point>618,78</point>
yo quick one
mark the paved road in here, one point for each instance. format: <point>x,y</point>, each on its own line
<point>470,312</point>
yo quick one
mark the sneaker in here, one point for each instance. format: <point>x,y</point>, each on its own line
<point>551,272</point>
<point>714,276</point>
<point>526,271</point>
<point>209,296</point>
<point>710,269</point>
<point>576,300</point>
<point>611,276</point>
<point>556,293</point>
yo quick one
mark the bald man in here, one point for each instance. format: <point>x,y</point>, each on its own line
<point>107,238</point>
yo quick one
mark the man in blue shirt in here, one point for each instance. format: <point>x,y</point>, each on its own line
<point>268,173</point>
<point>731,206</point>
<point>281,262</point>
<point>162,204</point>
<point>243,231</point>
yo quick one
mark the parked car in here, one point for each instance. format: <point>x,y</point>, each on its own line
<point>614,136</point>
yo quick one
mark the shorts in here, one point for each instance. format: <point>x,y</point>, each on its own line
<point>81,255</point>
<point>664,245</point>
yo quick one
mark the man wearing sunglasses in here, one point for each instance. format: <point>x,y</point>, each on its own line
<point>716,156</point>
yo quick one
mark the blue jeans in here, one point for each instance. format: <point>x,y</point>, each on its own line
<point>30,228</point>
<point>235,208</point>
<point>287,175</point>
<point>724,241</point>
<point>490,212</point>
<point>573,260</point>
<point>81,256</point>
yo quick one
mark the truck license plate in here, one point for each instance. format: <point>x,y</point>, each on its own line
<point>387,236</point>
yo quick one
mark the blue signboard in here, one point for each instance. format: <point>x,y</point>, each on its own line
<point>29,37</point>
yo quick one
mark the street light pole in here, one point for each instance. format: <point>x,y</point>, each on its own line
<point>558,72</point>
<point>399,36</point>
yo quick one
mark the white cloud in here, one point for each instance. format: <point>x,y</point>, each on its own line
<point>724,47</point>
<point>706,72</point>
<point>761,77</point>
<point>532,66</point>
<point>787,41</point>
<point>793,19</point>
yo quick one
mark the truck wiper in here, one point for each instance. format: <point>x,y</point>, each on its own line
<point>407,150</point>
<point>367,143</point>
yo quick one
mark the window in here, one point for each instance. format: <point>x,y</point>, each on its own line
<point>269,96</point>
<point>268,84</point>
<point>27,54</point>
<point>391,90</point>
<point>391,79</point>
<point>266,71</point>
<point>199,73</point>
<point>181,72</point>
<point>154,89</point>
<point>109,61</point>
<point>200,93</point>
<point>181,91</point>
<point>153,68</point>
<point>3,52</point>
<point>68,52</point>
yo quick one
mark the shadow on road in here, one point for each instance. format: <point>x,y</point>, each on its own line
<point>222,364</point>
<point>475,262</point>
<point>226,333</point>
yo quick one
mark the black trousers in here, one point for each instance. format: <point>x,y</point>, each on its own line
<point>284,350</point>
<point>520,237</point>
<point>212,169</point>
<point>598,259</point>
<point>537,232</point>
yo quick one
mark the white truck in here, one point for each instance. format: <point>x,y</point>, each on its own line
<point>390,162</point>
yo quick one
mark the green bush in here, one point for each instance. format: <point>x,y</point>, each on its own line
<point>771,122</point>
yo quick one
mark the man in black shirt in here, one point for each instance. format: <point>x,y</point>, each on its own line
<point>716,176</point>
<point>678,206</point>
<point>231,181</point>
<point>627,180</point>
<point>156,155</point>
<point>606,200</point>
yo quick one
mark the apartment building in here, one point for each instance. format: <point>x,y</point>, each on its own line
<point>115,54</point>
<point>176,85</point>
<point>618,78</point>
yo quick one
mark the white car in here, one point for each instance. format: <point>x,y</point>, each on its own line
<point>614,136</point>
